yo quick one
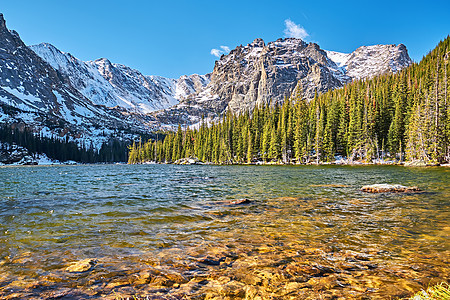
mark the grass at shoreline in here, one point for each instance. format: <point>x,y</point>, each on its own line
<point>439,291</point>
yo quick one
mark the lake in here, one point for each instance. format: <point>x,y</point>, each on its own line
<point>168,232</point>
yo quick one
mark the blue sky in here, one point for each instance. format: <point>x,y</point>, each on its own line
<point>172,38</point>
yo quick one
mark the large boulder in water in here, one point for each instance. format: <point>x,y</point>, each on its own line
<point>389,188</point>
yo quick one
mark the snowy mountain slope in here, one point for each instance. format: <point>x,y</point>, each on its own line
<point>34,93</point>
<point>58,94</point>
<point>28,83</point>
<point>340,59</point>
<point>188,85</point>
<point>110,84</point>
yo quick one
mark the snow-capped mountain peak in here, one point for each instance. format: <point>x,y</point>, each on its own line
<point>111,84</point>
<point>368,61</point>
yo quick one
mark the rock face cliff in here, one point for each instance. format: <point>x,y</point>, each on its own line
<point>267,73</point>
<point>259,73</point>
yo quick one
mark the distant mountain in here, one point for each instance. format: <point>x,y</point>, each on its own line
<point>388,119</point>
<point>259,73</point>
<point>368,61</point>
<point>110,84</point>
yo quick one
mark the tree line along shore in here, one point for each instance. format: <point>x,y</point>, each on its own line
<point>401,117</point>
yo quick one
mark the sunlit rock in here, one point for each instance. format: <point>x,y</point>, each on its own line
<point>82,265</point>
<point>389,188</point>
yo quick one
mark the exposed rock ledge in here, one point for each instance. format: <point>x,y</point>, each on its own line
<point>13,154</point>
<point>389,188</point>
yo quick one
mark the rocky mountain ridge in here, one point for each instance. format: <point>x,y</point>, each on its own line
<point>262,73</point>
<point>368,61</point>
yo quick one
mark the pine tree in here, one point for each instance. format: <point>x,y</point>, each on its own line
<point>250,150</point>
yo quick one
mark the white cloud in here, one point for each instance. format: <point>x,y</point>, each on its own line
<point>225,49</point>
<point>215,52</point>
<point>219,52</point>
<point>295,31</point>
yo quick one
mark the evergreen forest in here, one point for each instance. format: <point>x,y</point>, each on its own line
<point>400,117</point>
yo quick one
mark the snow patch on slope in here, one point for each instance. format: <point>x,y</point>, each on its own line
<point>27,99</point>
<point>340,59</point>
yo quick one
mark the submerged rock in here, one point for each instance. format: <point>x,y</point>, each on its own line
<point>211,261</point>
<point>239,201</point>
<point>233,202</point>
<point>389,188</point>
<point>82,265</point>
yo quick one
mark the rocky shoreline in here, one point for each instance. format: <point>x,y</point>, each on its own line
<point>339,162</point>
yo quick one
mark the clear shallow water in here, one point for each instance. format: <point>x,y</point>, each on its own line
<point>167,231</point>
